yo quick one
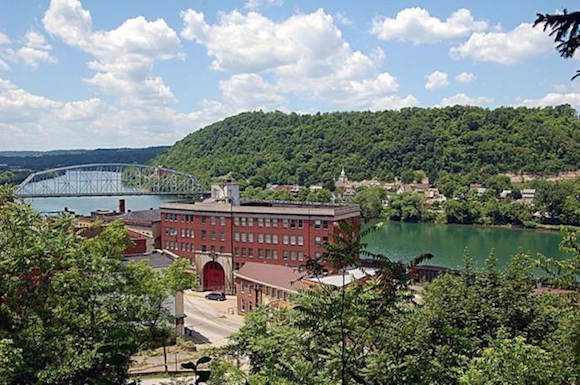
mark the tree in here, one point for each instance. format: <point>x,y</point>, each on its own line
<point>511,361</point>
<point>407,207</point>
<point>370,200</point>
<point>565,28</point>
<point>498,183</point>
<point>71,311</point>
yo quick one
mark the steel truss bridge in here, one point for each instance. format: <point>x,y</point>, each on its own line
<point>108,179</point>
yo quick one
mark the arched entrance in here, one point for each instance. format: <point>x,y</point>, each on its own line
<point>214,277</point>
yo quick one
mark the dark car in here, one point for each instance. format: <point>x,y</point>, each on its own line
<point>215,296</point>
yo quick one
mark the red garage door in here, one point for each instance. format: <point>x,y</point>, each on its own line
<point>213,277</point>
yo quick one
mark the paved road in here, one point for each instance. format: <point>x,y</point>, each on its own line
<point>211,321</point>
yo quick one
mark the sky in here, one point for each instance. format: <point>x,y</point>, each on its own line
<point>134,73</point>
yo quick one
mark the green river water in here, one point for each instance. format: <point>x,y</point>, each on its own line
<point>404,241</point>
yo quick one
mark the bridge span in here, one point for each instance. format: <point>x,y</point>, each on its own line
<point>108,179</point>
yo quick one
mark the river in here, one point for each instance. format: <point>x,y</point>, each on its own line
<point>448,243</point>
<point>397,240</point>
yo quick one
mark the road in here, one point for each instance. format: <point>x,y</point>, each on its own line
<point>211,321</point>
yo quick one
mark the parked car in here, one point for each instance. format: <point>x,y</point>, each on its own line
<point>215,296</point>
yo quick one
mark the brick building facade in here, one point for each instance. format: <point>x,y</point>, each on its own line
<point>220,235</point>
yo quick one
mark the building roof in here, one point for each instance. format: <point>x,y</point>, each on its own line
<point>142,217</point>
<point>156,259</point>
<point>351,275</point>
<point>276,276</point>
<point>267,207</point>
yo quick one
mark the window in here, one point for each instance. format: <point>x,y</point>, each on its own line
<point>274,292</point>
<point>241,283</point>
<point>243,304</point>
<point>222,221</point>
<point>237,267</point>
<point>274,254</point>
<point>212,249</point>
<point>300,240</point>
<point>274,222</point>
<point>236,221</point>
<point>268,253</point>
<point>250,252</point>
<point>292,223</point>
<point>261,253</point>
<point>325,224</point>
<point>236,251</point>
<point>182,233</point>
<point>203,219</point>
<point>285,296</point>
<point>244,237</point>
<point>324,239</point>
<point>222,236</point>
<point>293,255</point>
<point>275,239</point>
<point>285,239</point>
<point>222,249</point>
<point>268,239</point>
<point>237,237</point>
<point>300,223</point>
<point>268,222</point>
<point>250,221</point>
<point>285,223</point>
<point>244,252</point>
<point>251,237</point>
<point>244,221</point>
<point>203,234</point>
<point>212,235</point>
<point>212,220</point>
<point>249,305</point>
<point>300,256</point>
<point>250,288</point>
<point>260,238</point>
<point>293,240</point>
<point>203,248</point>
<point>317,224</point>
<point>285,255</point>
<point>317,241</point>
<point>260,222</point>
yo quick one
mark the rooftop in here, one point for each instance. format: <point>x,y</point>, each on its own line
<point>266,207</point>
<point>156,259</point>
<point>142,217</point>
<point>276,276</point>
<point>351,275</point>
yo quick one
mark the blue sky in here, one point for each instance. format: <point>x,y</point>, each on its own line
<point>87,74</point>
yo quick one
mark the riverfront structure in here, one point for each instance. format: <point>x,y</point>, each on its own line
<point>219,235</point>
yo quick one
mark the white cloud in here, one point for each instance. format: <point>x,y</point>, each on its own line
<point>4,66</point>
<point>304,54</point>
<point>394,103</point>
<point>418,26</point>
<point>36,122</point>
<point>436,79</point>
<point>35,50</point>
<point>250,91</point>
<point>506,48</point>
<point>464,100</point>
<point>342,19</point>
<point>561,94</point>
<point>256,4</point>
<point>123,57</point>
<point>465,77</point>
<point>4,39</point>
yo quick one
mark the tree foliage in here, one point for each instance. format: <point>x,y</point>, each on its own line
<point>71,312</point>
<point>310,149</point>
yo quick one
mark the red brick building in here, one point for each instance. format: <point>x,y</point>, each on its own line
<point>258,285</point>
<point>220,234</point>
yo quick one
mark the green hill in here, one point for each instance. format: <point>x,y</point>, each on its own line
<point>306,149</point>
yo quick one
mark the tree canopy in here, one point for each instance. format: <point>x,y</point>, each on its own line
<point>309,149</point>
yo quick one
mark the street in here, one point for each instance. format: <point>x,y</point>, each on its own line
<point>211,321</point>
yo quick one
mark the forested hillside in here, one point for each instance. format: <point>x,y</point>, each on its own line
<point>306,149</point>
<point>37,160</point>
